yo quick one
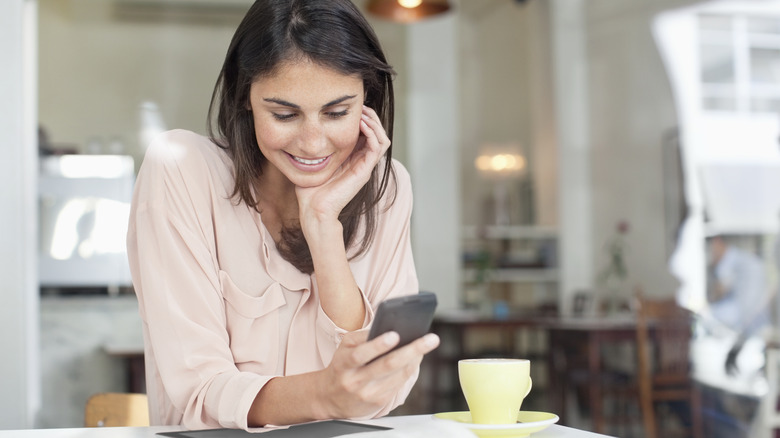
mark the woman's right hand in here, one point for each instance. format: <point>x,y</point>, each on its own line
<point>353,386</point>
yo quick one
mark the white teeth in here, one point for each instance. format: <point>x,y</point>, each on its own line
<point>309,162</point>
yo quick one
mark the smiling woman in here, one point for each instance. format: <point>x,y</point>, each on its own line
<point>260,253</point>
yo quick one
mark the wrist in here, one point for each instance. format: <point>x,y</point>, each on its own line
<point>317,229</point>
<point>322,408</point>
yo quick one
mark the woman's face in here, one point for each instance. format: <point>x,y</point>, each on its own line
<point>307,120</point>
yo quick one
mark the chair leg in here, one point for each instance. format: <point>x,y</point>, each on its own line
<point>696,407</point>
<point>648,413</point>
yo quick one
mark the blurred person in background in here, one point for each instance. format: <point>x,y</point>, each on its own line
<point>728,352</point>
<point>738,293</point>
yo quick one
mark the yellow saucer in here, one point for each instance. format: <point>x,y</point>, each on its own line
<point>528,422</point>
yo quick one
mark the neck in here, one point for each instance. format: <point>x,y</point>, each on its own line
<point>277,193</point>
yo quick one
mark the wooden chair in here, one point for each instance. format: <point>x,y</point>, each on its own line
<point>112,409</point>
<point>618,397</point>
<point>664,367</point>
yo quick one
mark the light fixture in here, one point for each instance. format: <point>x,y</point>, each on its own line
<point>409,4</point>
<point>407,11</point>
<point>501,163</point>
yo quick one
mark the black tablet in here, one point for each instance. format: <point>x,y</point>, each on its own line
<point>319,429</point>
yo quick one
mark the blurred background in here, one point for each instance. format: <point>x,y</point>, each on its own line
<point>565,155</point>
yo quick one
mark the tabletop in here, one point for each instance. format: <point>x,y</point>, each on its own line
<point>406,423</point>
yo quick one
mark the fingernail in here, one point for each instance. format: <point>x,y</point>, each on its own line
<point>431,340</point>
<point>391,338</point>
<point>365,116</point>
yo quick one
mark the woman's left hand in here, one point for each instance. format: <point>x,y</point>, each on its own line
<point>327,201</point>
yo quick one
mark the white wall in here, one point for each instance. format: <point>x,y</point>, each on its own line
<point>433,158</point>
<point>96,69</point>
<point>19,377</point>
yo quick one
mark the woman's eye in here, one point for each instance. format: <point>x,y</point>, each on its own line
<point>336,114</point>
<point>283,117</point>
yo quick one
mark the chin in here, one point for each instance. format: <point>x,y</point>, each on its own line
<point>312,181</point>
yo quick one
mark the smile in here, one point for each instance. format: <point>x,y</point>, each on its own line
<point>308,162</point>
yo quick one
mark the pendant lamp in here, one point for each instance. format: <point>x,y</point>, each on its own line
<point>407,11</point>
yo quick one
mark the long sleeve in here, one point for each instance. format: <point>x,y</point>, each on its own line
<point>176,277</point>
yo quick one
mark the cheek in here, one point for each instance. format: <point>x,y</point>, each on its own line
<point>269,135</point>
<point>346,136</point>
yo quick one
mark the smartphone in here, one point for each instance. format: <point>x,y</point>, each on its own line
<point>410,316</point>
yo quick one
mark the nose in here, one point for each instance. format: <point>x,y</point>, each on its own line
<point>312,138</point>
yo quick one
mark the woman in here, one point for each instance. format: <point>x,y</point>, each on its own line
<point>259,255</point>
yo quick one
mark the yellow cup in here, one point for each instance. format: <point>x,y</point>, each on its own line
<point>494,388</point>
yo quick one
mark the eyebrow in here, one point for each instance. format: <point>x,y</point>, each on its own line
<point>295,106</point>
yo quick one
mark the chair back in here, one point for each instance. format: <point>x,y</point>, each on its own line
<point>112,409</point>
<point>663,331</point>
<point>672,328</point>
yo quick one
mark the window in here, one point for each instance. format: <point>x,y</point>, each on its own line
<point>740,63</point>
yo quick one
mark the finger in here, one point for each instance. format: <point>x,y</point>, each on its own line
<point>392,370</point>
<point>372,121</point>
<point>371,114</point>
<point>369,129</point>
<point>424,344</point>
<point>371,142</point>
<point>411,353</point>
<point>376,347</point>
<point>388,380</point>
<point>377,130</point>
<point>374,150</point>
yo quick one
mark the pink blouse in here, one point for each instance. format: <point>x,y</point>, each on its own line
<point>222,311</point>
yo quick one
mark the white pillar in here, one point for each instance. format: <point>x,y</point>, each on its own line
<point>19,370</point>
<point>574,182</point>
<point>433,155</point>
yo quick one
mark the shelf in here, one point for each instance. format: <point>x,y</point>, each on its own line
<point>515,275</point>
<point>510,232</point>
<point>515,264</point>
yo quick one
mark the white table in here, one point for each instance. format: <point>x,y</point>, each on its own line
<point>554,431</point>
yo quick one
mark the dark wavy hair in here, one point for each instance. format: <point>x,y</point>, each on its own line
<point>331,33</point>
